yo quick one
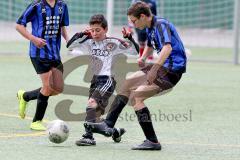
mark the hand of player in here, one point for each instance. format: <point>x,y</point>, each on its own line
<point>152,74</point>
<point>129,29</point>
<point>38,42</point>
<point>141,62</point>
<point>126,33</point>
<point>87,31</point>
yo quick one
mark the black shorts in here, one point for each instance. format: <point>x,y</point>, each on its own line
<point>141,35</point>
<point>166,78</point>
<point>101,89</point>
<point>44,65</point>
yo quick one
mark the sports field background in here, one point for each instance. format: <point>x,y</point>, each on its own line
<point>209,90</point>
<point>208,94</point>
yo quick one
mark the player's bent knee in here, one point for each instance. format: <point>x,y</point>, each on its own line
<point>56,80</point>
<point>46,91</point>
<point>125,93</point>
<point>92,103</point>
<point>139,96</point>
<point>138,106</point>
<point>54,93</point>
<point>139,100</point>
<point>132,101</point>
<point>57,87</point>
<point>57,90</point>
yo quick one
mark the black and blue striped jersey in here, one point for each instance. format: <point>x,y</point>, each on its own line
<point>162,32</point>
<point>46,23</point>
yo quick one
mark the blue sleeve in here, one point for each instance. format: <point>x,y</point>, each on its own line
<point>164,32</point>
<point>27,15</point>
<point>65,19</point>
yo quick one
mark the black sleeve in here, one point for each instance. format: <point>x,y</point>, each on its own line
<point>134,42</point>
<point>74,38</point>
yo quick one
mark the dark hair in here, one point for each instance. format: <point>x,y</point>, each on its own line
<point>138,8</point>
<point>98,19</point>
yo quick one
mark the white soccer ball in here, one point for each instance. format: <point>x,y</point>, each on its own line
<point>57,131</point>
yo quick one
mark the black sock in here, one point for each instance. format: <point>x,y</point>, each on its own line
<point>116,108</point>
<point>88,134</point>
<point>31,95</point>
<point>90,117</point>
<point>42,102</point>
<point>91,114</point>
<point>145,122</point>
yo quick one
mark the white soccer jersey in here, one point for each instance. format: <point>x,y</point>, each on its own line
<point>103,53</point>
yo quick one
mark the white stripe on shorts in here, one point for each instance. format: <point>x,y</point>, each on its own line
<point>106,86</point>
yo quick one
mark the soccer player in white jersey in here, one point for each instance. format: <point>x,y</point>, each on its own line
<point>103,51</point>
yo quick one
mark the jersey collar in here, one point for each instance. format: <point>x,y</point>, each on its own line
<point>154,19</point>
<point>46,3</point>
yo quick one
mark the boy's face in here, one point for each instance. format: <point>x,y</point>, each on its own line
<point>139,23</point>
<point>98,32</point>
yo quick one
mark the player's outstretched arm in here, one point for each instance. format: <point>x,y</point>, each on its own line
<point>74,41</point>
<point>80,42</point>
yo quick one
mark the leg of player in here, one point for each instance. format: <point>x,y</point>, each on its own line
<point>100,110</point>
<point>102,127</point>
<point>87,138</point>
<point>56,81</point>
<point>106,127</point>
<point>130,84</point>
<point>52,82</point>
<point>24,98</point>
<point>144,118</point>
<point>42,102</point>
<point>165,82</point>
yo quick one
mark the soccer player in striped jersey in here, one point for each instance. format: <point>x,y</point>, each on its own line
<point>49,19</point>
<point>103,51</point>
<point>151,80</point>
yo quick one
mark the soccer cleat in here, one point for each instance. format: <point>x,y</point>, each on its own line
<point>147,145</point>
<point>37,126</point>
<point>101,128</point>
<point>117,134</point>
<point>86,142</point>
<point>22,104</point>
